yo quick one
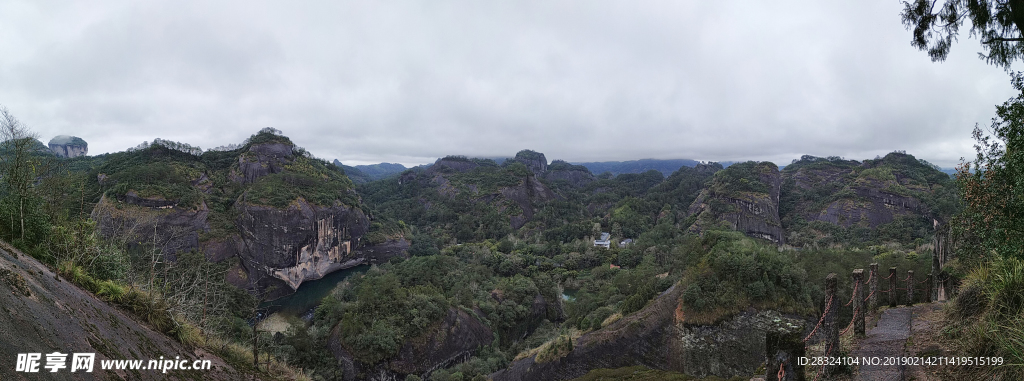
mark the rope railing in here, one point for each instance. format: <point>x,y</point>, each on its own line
<point>828,304</point>
<point>828,323</point>
<point>852,295</point>
<point>851,324</point>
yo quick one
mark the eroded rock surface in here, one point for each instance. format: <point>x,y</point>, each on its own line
<point>299,243</point>
<point>751,209</point>
<point>46,315</point>
<point>68,146</point>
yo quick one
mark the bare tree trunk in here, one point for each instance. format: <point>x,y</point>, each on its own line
<point>255,347</point>
<point>21,211</point>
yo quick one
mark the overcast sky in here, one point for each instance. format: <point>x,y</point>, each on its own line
<point>410,81</point>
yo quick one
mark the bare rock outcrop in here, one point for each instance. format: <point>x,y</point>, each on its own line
<point>68,146</point>
<point>533,160</point>
<point>746,197</point>
<point>281,248</point>
<point>261,160</point>
<point>151,221</point>
<point>576,176</point>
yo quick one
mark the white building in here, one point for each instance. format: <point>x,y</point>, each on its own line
<point>605,240</point>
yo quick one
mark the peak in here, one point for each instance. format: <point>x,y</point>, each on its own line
<point>268,135</point>
<point>531,155</point>
<point>68,140</point>
<point>68,146</point>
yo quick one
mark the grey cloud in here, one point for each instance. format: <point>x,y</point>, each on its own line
<point>581,81</point>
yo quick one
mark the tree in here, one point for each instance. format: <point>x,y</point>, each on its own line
<point>18,172</point>
<point>998,23</point>
<point>993,185</point>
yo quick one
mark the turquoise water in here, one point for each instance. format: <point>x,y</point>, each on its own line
<point>311,292</point>
<point>569,294</point>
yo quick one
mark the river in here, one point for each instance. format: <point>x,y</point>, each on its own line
<point>310,293</point>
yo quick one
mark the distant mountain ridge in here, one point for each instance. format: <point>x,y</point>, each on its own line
<point>666,167</point>
<point>366,173</point>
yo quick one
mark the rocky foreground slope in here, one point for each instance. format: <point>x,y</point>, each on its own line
<point>44,314</point>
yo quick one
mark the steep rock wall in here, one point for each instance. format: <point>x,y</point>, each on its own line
<point>299,243</point>
<point>68,146</point>
<point>261,160</point>
<point>756,214</point>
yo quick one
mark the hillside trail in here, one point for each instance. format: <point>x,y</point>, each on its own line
<point>901,332</point>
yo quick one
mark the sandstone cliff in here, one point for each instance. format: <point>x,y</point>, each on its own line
<point>864,195</point>
<point>68,146</point>
<point>287,217</point>
<point>576,176</point>
<point>299,243</point>
<point>745,196</point>
<point>534,161</point>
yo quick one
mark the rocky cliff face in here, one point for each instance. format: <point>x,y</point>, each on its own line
<point>262,160</point>
<point>658,337</point>
<point>448,342</point>
<point>746,197</point>
<point>527,195</point>
<point>577,176</point>
<point>533,160</point>
<point>865,194</point>
<point>68,146</point>
<point>299,243</point>
<point>278,247</point>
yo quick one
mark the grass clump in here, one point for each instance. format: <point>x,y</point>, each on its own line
<point>985,319</point>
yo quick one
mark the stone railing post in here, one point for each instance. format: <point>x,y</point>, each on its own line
<point>928,288</point>
<point>893,298</point>
<point>910,287</point>
<point>935,270</point>
<point>784,349</point>
<point>873,290</point>
<point>830,323</point>
<point>858,302</point>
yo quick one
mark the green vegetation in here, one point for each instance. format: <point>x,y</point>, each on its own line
<point>496,243</point>
<point>743,177</point>
<point>814,186</point>
<point>987,236</point>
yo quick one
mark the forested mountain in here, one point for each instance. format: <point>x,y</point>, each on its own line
<point>481,267</point>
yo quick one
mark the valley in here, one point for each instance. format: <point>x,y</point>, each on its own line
<point>470,269</point>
